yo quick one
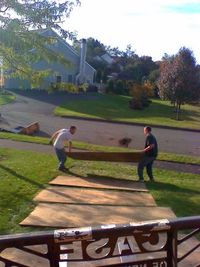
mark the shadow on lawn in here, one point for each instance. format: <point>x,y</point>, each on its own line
<point>162,186</point>
<point>38,185</point>
<point>116,107</point>
<point>26,179</point>
<point>178,198</point>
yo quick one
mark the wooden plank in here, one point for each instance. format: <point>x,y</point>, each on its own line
<point>62,194</point>
<point>107,156</point>
<point>99,182</point>
<point>62,215</point>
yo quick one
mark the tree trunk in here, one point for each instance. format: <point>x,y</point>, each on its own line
<point>178,108</point>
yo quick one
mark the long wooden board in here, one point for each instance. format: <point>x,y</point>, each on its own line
<point>70,195</point>
<point>99,182</point>
<point>68,215</point>
<point>107,156</point>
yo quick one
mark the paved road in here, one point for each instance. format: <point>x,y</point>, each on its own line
<point>188,168</point>
<point>39,106</point>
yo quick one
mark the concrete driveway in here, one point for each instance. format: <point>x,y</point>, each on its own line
<point>39,106</point>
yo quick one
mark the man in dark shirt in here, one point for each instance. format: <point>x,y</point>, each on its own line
<point>150,154</point>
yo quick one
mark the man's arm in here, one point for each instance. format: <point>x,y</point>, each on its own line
<point>70,146</point>
<point>53,137</point>
<point>150,144</point>
<point>149,148</point>
<point>68,143</point>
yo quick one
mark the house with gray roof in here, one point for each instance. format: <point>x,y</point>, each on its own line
<point>78,71</point>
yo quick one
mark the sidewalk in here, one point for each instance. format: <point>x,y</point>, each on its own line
<point>180,167</point>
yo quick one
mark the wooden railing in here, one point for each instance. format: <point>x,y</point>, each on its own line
<point>146,244</point>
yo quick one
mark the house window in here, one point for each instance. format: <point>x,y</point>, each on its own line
<point>58,79</point>
<point>70,78</point>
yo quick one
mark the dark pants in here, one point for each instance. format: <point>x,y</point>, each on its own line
<point>61,155</point>
<point>148,163</point>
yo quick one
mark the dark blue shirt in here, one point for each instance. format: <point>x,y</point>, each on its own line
<point>151,140</point>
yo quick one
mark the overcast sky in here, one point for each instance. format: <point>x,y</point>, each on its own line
<point>152,27</point>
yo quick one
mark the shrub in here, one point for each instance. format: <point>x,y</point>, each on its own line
<point>140,96</point>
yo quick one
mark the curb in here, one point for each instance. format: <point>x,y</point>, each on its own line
<point>179,162</point>
<point>131,123</point>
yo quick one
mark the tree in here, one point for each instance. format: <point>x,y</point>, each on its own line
<point>21,42</point>
<point>153,79</point>
<point>114,51</point>
<point>137,68</point>
<point>179,79</point>
<point>129,53</point>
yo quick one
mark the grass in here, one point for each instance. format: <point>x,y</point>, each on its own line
<point>92,147</point>
<point>24,138</point>
<point>180,191</point>
<point>116,108</point>
<point>6,98</point>
<point>24,173</point>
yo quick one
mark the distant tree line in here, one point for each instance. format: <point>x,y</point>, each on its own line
<point>175,78</point>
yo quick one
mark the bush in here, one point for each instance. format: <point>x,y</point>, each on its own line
<point>135,104</point>
<point>68,87</point>
<point>140,96</point>
<point>92,88</point>
<point>4,92</point>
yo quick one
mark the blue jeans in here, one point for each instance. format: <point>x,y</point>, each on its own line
<point>62,157</point>
<point>148,163</point>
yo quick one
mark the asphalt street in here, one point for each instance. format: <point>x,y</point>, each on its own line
<point>39,106</point>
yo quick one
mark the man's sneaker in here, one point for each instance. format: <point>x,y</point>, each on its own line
<point>62,169</point>
<point>141,180</point>
<point>152,180</point>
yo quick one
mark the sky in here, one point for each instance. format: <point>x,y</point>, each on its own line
<point>152,27</point>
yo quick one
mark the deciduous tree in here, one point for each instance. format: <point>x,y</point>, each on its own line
<point>21,42</point>
<point>179,79</point>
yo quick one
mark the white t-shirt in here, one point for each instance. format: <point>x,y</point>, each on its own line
<point>61,138</point>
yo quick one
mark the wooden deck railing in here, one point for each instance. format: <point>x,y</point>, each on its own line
<point>146,244</point>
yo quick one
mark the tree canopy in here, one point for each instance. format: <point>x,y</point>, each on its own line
<point>21,42</point>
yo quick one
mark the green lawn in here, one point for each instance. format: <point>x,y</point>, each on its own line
<point>6,98</point>
<point>92,147</point>
<point>24,173</point>
<point>113,107</point>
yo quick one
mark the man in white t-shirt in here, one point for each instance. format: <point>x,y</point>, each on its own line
<point>60,139</point>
